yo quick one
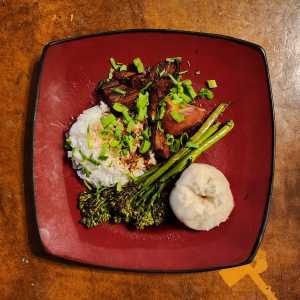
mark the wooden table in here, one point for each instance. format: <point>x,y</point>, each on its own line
<point>26,25</point>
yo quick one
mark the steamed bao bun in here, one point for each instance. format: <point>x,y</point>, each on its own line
<point>201,198</point>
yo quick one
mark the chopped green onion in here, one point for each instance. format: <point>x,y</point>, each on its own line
<point>187,82</point>
<point>83,156</point>
<point>146,133</point>
<point>113,63</point>
<point>114,143</point>
<point>100,84</point>
<point>183,72</point>
<point>117,66</point>
<point>175,146</point>
<point>173,79</point>
<point>161,110</point>
<point>142,103</point>
<point>129,141</point>
<point>120,107</point>
<point>123,68</point>
<point>124,110</point>
<point>158,126</point>
<point>189,88</point>
<point>93,161</point>
<point>192,145</point>
<point>145,147</point>
<point>118,187</point>
<point>104,152</point>
<point>170,138</point>
<point>130,126</point>
<point>146,87</point>
<point>162,73</point>
<point>119,91</point>
<point>124,152</point>
<point>127,117</point>
<point>110,74</point>
<point>211,84</point>
<point>183,139</point>
<point>85,171</point>
<point>204,92</point>
<point>173,59</point>
<point>177,100</point>
<point>68,144</point>
<point>178,117</point>
<point>139,65</point>
<point>89,138</point>
<point>118,131</point>
<point>107,120</point>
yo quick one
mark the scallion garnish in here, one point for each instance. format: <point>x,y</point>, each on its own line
<point>178,117</point>
<point>107,120</point>
<point>139,65</point>
<point>118,91</point>
<point>145,146</point>
<point>204,92</point>
<point>212,84</point>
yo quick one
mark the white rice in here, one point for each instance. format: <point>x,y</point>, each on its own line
<point>114,169</point>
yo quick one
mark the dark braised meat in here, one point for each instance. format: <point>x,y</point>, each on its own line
<point>138,81</point>
<point>193,116</point>
<point>160,144</point>
<point>111,97</point>
<point>123,75</point>
<point>159,90</point>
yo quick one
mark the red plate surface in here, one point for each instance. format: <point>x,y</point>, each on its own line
<point>70,70</point>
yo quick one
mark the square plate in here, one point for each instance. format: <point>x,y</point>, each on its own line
<point>69,72</point>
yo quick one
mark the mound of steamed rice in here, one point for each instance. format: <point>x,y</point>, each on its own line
<point>115,168</point>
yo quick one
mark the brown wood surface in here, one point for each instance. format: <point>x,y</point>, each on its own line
<point>26,25</point>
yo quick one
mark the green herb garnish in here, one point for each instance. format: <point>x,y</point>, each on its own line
<point>110,74</point>
<point>117,66</point>
<point>175,82</point>
<point>104,152</point>
<point>204,92</point>
<point>183,139</point>
<point>161,110</point>
<point>85,171</point>
<point>124,110</point>
<point>118,187</point>
<point>139,65</point>
<point>178,117</point>
<point>68,144</point>
<point>146,87</point>
<point>108,120</point>
<point>114,143</point>
<point>142,103</point>
<point>145,146</point>
<point>89,137</point>
<point>118,131</point>
<point>119,91</point>
<point>159,127</point>
<point>130,126</point>
<point>146,133</point>
<point>173,59</point>
<point>212,84</point>
<point>189,88</point>
<point>129,141</point>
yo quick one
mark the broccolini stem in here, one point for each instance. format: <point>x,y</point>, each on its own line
<point>192,156</point>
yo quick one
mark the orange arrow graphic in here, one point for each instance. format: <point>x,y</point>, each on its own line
<point>234,275</point>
